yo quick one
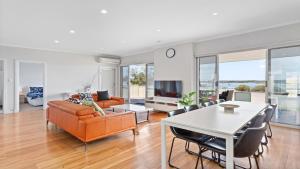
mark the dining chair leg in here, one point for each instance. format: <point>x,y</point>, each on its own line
<point>271,134</point>
<point>266,140</point>
<point>187,147</point>
<point>256,162</point>
<point>199,157</point>
<point>258,151</point>
<point>170,155</point>
<point>250,164</point>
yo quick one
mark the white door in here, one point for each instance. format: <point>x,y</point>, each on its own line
<point>108,79</point>
<point>1,88</point>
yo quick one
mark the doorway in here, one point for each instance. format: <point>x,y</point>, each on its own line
<point>245,74</point>
<point>239,76</point>
<point>207,75</point>
<point>137,83</point>
<point>30,86</point>
<point>284,82</point>
<point>2,86</point>
<point>108,80</point>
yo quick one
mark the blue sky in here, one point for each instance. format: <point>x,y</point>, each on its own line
<point>242,70</point>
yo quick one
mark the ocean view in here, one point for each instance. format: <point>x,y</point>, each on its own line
<point>227,84</point>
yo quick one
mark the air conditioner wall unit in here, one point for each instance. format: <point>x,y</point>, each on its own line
<point>114,61</point>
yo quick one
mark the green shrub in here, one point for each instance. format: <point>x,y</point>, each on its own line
<point>258,88</point>
<point>243,88</point>
<point>187,99</point>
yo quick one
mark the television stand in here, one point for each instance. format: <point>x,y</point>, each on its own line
<point>161,104</point>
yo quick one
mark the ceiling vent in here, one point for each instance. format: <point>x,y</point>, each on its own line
<point>114,61</point>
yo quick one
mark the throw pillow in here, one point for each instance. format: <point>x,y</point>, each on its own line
<point>103,95</point>
<point>85,96</point>
<point>87,103</point>
<point>74,100</point>
<point>98,109</point>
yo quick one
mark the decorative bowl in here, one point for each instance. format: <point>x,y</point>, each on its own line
<point>228,107</point>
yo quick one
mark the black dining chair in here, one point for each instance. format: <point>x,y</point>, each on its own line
<point>269,117</point>
<point>269,114</point>
<point>191,107</point>
<point>187,136</point>
<point>254,122</point>
<point>206,104</point>
<point>220,101</point>
<point>245,146</point>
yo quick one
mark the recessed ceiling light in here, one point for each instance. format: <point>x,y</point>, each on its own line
<point>72,31</point>
<point>56,41</point>
<point>215,14</point>
<point>158,30</point>
<point>104,11</point>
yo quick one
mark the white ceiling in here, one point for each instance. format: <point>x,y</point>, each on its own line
<point>130,25</point>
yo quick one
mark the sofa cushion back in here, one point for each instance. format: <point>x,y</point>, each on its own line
<point>75,109</point>
<point>94,96</point>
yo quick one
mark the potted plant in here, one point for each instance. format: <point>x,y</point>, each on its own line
<point>187,99</point>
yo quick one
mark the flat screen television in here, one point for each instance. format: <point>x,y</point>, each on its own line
<point>168,88</point>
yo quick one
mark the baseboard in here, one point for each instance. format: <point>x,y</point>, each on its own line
<point>285,125</point>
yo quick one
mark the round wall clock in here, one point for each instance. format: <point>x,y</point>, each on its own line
<point>170,53</point>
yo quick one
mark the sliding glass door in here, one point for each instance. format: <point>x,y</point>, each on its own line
<point>207,78</point>
<point>150,80</point>
<point>125,82</point>
<point>137,82</point>
<point>284,84</point>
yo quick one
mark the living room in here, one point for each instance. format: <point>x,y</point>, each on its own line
<point>110,74</point>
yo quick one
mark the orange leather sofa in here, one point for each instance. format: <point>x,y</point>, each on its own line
<point>86,124</point>
<point>105,103</point>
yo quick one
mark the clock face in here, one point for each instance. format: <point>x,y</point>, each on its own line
<point>170,53</point>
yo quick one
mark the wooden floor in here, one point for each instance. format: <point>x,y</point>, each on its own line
<point>26,142</point>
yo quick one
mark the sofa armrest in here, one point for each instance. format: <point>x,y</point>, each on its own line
<point>117,122</point>
<point>92,128</point>
<point>119,99</point>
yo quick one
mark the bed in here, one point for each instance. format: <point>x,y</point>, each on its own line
<point>35,96</point>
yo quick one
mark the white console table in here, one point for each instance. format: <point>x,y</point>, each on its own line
<point>162,104</point>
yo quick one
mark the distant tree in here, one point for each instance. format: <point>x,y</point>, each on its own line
<point>258,88</point>
<point>245,88</point>
<point>138,79</point>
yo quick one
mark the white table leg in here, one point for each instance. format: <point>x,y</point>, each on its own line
<point>229,153</point>
<point>163,146</point>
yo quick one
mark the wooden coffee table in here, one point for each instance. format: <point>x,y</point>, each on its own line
<point>138,109</point>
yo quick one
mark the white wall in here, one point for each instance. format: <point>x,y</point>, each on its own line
<point>66,72</point>
<point>138,59</point>
<point>31,74</point>
<point>181,67</point>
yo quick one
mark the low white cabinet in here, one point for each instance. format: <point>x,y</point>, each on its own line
<point>161,105</point>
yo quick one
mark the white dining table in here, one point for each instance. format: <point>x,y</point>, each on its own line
<point>213,121</point>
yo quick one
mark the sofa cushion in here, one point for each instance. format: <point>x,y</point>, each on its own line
<point>103,95</point>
